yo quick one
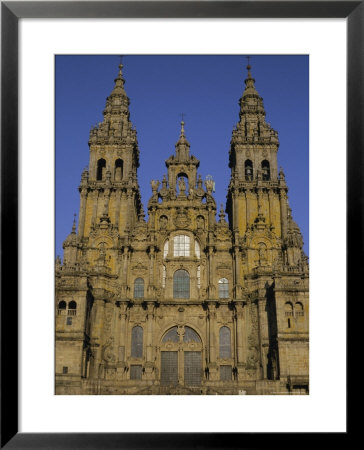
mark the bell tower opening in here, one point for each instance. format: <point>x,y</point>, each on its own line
<point>118,174</point>
<point>266,170</point>
<point>101,169</point>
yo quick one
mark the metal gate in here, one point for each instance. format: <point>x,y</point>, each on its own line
<point>169,368</point>
<point>192,368</point>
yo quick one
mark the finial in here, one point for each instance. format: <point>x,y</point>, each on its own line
<point>222,213</point>
<point>182,124</point>
<point>74,223</point>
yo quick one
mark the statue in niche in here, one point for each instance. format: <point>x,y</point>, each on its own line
<point>182,185</point>
<point>200,223</point>
<point>262,253</point>
<point>163,223</point>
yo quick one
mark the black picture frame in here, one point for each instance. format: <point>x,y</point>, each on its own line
<point>11,12</point>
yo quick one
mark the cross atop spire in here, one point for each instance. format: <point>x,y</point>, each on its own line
<point>249,67</point>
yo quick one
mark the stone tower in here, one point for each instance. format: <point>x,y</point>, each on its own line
<point>183,303</point>
<point>269,263</point>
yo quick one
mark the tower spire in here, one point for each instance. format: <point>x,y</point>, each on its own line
<point>182,145</point>
<point>74,224</point>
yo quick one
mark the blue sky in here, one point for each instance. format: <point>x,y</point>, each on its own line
<point>207,90</point>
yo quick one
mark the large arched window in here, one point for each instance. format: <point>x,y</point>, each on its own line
<point>181,284</point>
<point>181,245</point>
<point>118,174</point>
<point>248,170</point>
<point>265,170</point>
<point>137,342</point>
<point>101,167</point>
<point>225,343</point>
<point>139,288</point>
<point>223,288</point>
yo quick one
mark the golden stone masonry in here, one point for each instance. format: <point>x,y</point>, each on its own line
<point>182,303</point>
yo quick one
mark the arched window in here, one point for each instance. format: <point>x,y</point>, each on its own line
<point>181,284</point>
<point>118,174</point>
<point>171,335</point>
<point>248,170</point>
<point>72,308</point>
<point>298,309</point>
<point>137,342</point>
<point>139,288</point>
<point>166,248</point>
<point>181,245</point>
<point>101,167</point>
<point>265,170</point>
<point>197,250</point>
<point>225,343</point>
<point>223,288</point>
<point>288,309</point>
<point>62,307</point>
<point>191,335</point>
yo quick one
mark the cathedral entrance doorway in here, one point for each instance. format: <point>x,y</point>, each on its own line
<point>181,357</point>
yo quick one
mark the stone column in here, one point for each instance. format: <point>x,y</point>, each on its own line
<point>237,285</point>
<point>130,214</point>
<point>271,206</point>
<point>211,289</point>
<point>284,217</point>
<point>81,221</point>
<point>95,196</point>
<point>151,270</point>
<point>213,342</point>
<point>149,337</point>
<point>239,333</point>
<point>96,336</point>
<point>235,211</point>
<point>122,330</point>
<point>263,334</point>
<point>117,208</point>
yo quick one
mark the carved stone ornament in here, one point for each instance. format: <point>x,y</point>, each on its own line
<point>182,220</point>
<point>108,351</point>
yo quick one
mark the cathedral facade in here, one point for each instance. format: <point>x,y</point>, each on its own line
<point>189,301</point>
